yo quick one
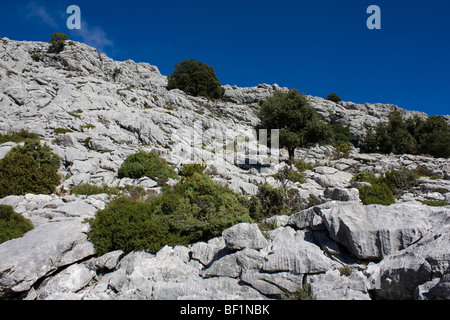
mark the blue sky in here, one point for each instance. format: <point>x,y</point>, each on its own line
<point>315,46</point>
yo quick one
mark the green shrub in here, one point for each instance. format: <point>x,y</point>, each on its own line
<point>434,203</point>
<point>12,224</point>
<point>189,169</point>
<point>302,294</point>
<point>365,176</point>
<point>18,137</point>
<point>36,57</point>
<point>147,164</point>
<point>376,194</point>
<point>196,78</point>
<point>342,150</point>
<point>90,189</point>
<point>130,225</point>
<point>57,42</point>
<point>61,131</point>
<point>302,166</point>
<point>194,209</point>
<point>423,172</point>
<point>31,168</point>
<point>341,134</point>
<point>288,174</point>
<point>401,180</point>
<point>413,135</point>
<point>334,97</point>
<point>379,192</point>
<point>267,202</point>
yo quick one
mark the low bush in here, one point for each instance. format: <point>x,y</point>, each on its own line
<point>287,174</point>
<point>196,208</point>
<point>401,180</point>
<point>90,189</point>
<point>146,164</point>
<point>334,97</point>
<point>302,166</point>
<point>31,168</point>
<point>435,203</point>
<point>18,137</point>
<point>378,192</point>
<point>267,202</point>
<point>188,170</point>
<point>12,224</point>
<point>57,42</point>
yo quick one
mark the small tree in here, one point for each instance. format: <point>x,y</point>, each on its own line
<point>58,41</point>
<point>299,124</point>
<point>334,97</point>
<point>196,78</point>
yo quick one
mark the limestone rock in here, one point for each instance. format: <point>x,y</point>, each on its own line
<point>71,280</point>
<point>400,275</point>
<point>375,231</point>
<point>333,286</point>
<point>25,260</point>
<point>290,252</point>
<point>244,235</point>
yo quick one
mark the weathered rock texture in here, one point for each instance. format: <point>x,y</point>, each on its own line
<point>337,247</point>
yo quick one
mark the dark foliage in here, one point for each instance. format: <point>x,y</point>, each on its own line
<point>196,78</point>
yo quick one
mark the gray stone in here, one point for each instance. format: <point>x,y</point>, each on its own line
<point>108,261</point>
<point>332,286</point>
<point>244,235</point>
<point>5,148</point>
<point>308,218</point>
<point>330,177</point>
<point>25,260</point>
<point>375,231</point>
<point>399,276</point>
<point>341,194</point>
<point>290,252</point>
<point>71,280</point>
<point>274,284</point>
<point>207,252</point>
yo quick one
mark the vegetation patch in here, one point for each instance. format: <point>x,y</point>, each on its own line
<point>90,189</point>
<point>146,164</point>
<point>196,78</point>
<point>195,209</point>
<point>378,192</point>
<point>31,168</point>
<point>413,136</point>
<point>61,131</point>
<point>434,203</point>
<point>12,224</point>
<point>18,137</point>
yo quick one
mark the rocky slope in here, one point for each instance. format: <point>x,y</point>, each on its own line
<point>340,248</point>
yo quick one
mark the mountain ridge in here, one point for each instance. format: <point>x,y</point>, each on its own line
<point>94,112</point>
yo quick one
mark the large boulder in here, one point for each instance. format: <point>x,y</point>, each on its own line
<point>375,231</point>
<point>403,275</point>
<point>334,286</point>
<point>42,251</point>
<point>244,235</point>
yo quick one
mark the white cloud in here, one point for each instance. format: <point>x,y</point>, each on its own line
<point>35,10</point>
<point>94,36</point>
